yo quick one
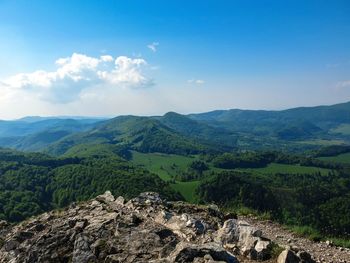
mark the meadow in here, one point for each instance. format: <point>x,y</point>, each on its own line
<point>167,166</point>
<point>343,158</point>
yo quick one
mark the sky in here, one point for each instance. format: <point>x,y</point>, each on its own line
<point>109,58</point>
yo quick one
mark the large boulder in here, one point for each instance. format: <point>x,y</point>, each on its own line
<point>229,233</point>
<point>183,225</point>
<point>247,238</point>
<point>107,197</point>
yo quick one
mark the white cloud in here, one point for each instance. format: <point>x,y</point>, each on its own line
<point>107,58</point>
<point>153,46</point>
<point>343,84</point>
<point>77,73</point>
<point>196,81</point>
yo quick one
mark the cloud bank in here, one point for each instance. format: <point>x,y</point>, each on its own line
<point>76,74</point>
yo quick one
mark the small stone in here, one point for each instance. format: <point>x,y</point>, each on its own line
<point>120,200</point>
<point>288,256</point>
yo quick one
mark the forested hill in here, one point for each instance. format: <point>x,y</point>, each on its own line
<point>135,133</point>
<point>31,183</point>
<point>337,113</point>
<point>294,130</point>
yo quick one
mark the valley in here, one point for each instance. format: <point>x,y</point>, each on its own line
<point>246,162</point>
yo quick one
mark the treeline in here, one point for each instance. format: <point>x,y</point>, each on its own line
<point>194,171</point>
<point>262,159</point>
<point>319,201</point>
<point>155,139</point>
<point>333,150</point>
<point>31,184</point>
<point>243,160</point>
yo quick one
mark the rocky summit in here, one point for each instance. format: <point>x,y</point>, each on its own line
<point>144,229</point>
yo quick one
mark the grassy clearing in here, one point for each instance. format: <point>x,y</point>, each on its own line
<point>166,166</point>
<point>341,158</point>
<point>322,142</point>
<point>274,168</point>
<point>343,129</point>
<point>187,190</point>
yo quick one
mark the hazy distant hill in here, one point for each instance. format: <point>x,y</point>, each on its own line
<point>324,117</point>
<point>294,129</point>
<point>321,122</point>
<point>30,135</point>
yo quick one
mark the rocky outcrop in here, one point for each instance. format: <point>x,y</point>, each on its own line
<point>144,229</point>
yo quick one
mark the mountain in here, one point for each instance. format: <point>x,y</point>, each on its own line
<point>137,133</point>
<point>292,127</point>
<point>322,116</point>
<point>199,130</point>
<point>32,119</point>
<point>297,130</point>
<point>36,133</point>
<point>24,128</point>
<point>144,229</point>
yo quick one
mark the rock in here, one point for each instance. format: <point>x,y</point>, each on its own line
<point>186,252</point>
<point>184,225</point>
<point>107,197</point>
<point>329,243</point>
<point>10,245</point>
<point>229,233</point>
<point>120,200</point>
<point>3,224</point>
<point>288,256</point>
<point>305,257</point>
<point>262,250</point>
<point>248,237</point>
<point>145,229</point>
<point>228,216</point>
<point>82,252</point>
<point>150,198</point>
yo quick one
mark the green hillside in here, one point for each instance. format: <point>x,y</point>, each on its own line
<point>33,183</point>
<point>137,133</point>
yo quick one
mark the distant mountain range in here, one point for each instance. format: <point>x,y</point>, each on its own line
<point>294,129</point>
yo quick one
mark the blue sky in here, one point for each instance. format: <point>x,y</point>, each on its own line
<point>150,57</point>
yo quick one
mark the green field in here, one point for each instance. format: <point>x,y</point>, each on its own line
<point>274,168</point>
<point>166,166</point>
<point>343,129</point>
<point>187,190</point>
<point>322,142</point>
<point>341,158</point>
